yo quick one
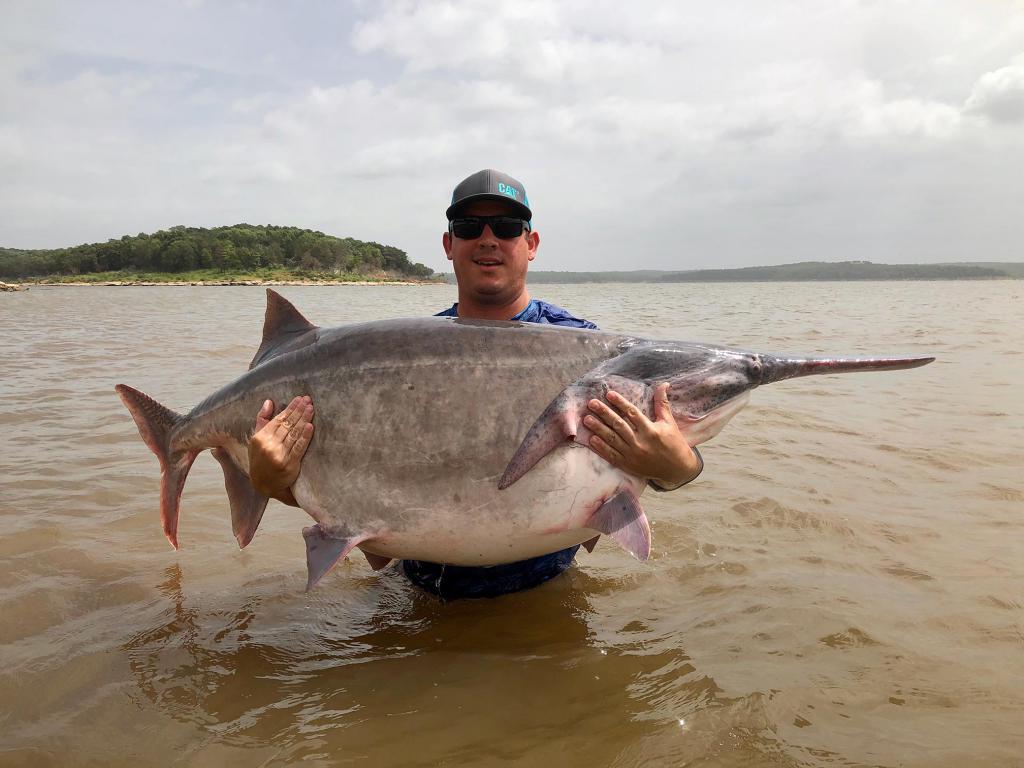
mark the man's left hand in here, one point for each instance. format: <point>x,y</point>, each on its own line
<point>626,438</point>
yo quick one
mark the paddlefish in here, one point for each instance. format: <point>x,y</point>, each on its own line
<point>453,440</point>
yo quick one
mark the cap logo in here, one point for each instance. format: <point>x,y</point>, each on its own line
<point>507,190</point>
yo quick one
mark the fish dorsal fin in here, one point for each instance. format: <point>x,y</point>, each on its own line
<point>282,324</point>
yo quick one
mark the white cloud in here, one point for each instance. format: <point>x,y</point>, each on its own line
<point>999,95</point>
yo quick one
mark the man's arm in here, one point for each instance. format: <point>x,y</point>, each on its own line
<point>626,438</point>
<point>277,447</point>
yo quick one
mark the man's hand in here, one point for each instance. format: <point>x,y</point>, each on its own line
<point>277,447</point>
<point>626,438</point>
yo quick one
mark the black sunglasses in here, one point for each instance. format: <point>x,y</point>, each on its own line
<point>503,227</point>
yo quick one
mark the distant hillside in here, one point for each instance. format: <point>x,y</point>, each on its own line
<point>236,249</point>
<point>843,270</point>
<point>1011,268</point>
<point>804,271</point>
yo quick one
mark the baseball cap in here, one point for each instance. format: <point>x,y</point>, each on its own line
<point>490,184</point>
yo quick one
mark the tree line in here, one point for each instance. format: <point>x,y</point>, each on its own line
<point>239,248</point>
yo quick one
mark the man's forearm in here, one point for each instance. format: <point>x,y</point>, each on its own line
<point>689,477</point>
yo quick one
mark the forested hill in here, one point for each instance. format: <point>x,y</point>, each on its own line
<point>238,249</point>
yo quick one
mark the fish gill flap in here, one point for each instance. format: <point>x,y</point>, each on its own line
<point>283,326</point>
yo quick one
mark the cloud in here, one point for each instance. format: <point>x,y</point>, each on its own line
<point>682,134</point>
<point>594,80</point>
<point>999,95</point>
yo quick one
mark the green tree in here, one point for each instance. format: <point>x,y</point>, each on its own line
<point>179,256</point>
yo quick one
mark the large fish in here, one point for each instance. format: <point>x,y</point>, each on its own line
<point>455,441</point>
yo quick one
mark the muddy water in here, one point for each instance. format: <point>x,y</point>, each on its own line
<point>843,585</point>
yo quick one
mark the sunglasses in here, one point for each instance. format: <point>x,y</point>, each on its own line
<point>503,227</point>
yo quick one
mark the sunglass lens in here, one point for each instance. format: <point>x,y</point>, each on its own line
<point>507,228</point>
<point>467,229</point>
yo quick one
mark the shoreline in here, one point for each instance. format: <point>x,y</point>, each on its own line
<point>189,283</point>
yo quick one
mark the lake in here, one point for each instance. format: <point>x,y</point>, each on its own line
<point>844,585</point>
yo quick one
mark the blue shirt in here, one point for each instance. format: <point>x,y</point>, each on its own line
<point>537,312</point>
<point>450,582</point>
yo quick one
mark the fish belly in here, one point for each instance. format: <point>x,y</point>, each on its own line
<point>471,522</point>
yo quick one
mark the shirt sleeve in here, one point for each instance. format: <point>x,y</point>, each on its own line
<point>555,315</point>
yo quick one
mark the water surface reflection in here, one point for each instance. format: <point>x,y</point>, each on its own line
<point>269,670</point>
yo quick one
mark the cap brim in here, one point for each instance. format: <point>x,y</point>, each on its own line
<point>521,209</point>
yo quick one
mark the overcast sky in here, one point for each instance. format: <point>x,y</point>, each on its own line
<point>671,135</point>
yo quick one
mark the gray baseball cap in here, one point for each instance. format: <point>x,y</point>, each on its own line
<point>490,184</point>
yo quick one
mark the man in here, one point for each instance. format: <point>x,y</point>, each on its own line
<point>490,242</point>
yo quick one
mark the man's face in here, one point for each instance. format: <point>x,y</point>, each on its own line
<point>490,270</point>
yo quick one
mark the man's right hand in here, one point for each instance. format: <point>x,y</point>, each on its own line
<point>277,447</point>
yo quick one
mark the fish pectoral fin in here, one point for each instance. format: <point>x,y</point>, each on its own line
<point>556,426</point>
<point>622,518</point>
<point>324,550</point>
<point>562,420</point>
<point>247,505</point>
<point>589,544</point>
<point>377,562</point>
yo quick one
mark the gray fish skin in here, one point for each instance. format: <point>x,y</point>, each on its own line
<point>415,422</point>
<point>456,441</point>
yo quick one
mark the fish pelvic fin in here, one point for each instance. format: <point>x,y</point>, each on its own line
<point>324,551</point>
<point>622,518</point>
<point>377,562</point>
<point>155,423</point>
<point>283,326</point>
<point>247,504</point>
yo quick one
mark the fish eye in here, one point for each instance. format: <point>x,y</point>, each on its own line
<point>755,368</point>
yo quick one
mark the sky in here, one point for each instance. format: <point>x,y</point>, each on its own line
<point>655,135</point>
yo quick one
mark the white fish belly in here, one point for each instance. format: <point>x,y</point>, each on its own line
<point>471,522</point>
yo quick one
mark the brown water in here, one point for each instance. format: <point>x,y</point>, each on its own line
<point>843,586</point>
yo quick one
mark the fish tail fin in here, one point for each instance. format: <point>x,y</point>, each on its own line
<point>155,423</point>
